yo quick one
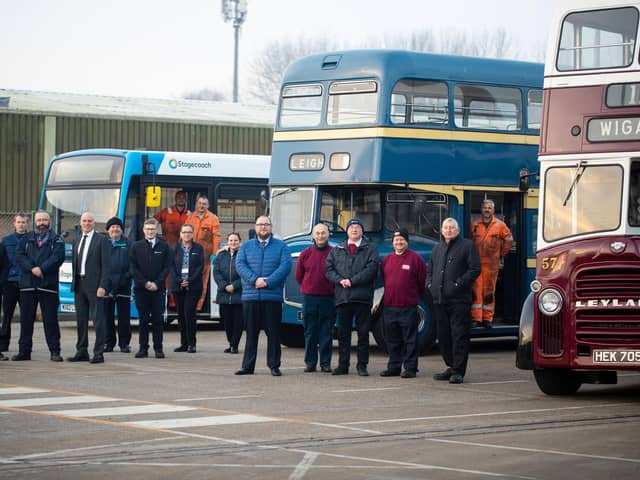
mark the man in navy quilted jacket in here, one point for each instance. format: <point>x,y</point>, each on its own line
<point>263,264</point>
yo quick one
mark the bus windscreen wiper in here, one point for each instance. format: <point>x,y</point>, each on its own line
<point>578,175</point>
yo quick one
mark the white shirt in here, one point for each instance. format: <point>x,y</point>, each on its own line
<point>87,242</point>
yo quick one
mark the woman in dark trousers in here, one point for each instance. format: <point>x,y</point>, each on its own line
<point>229,291</point>
<point>186,285</point>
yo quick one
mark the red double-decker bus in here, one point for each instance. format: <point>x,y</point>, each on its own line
<point>581,322</point>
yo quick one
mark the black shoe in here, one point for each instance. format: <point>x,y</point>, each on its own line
<point>234,349</point>
<point>227,350</point>
<point>309,369</point>
<point>159,354</point>
<point>362,371</point>
<point>126,349</point>
<point>19,357</point>
<point>97,359</point>
<point>242,371</point>
<point>408,374</point>
<point>191,349</point>
<point>276,372</point>
<point>142,353</point>
<point>79,357</point>
<point>444,376</point>
<point>475,324</point>
<point>487,324</point>
<point>325,369</point>
<point>108,349</point>
<point>181,348</point>
<point>340,371</point>
<point>55,357</point>
<point>390,373</point>
<point>3,357</point>
<point>456,378</point>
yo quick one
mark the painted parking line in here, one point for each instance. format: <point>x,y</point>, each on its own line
<point>20,390</point>
<point>171,423</point>
<point>37,402</point>
<point>130,410</point>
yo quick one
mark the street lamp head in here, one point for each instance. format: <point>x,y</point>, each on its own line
<point>234,10</point>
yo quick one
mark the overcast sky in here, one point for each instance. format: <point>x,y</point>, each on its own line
<point>166,48</point>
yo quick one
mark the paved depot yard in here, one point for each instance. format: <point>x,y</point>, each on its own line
<point>189,417</point>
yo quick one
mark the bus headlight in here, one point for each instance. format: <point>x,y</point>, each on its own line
<point>65,274</point>
<point>550,301</point>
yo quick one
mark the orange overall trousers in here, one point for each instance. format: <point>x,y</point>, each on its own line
<point>206,233</point>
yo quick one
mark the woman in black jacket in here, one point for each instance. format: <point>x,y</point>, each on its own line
<point>229,291</point>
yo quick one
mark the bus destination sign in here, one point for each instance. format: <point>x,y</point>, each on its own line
<point>306,161</point>
<point>623,95</point>
<point>613,129</point>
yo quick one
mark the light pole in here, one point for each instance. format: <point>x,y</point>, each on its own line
<point>236,11</point>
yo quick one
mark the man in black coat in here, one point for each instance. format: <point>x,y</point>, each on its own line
<point>149,260</point>
<point>91,254</point>
<point>453,266</point>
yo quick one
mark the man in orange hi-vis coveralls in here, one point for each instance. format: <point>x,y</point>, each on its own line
<point>493,239</point>
<point>172,218</point>
<point>206,228</point>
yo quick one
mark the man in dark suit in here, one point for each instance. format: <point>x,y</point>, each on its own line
<point>90,284</point>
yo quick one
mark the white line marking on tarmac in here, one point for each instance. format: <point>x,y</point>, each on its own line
<point>17,390</point>
<point>356,390</point>
<point>202,421</point>
<point>536,450</point>
<point>33,402</point>
<point>303,467</point>
<point>130,410</point>
<point>497,383</point>
<point>216,398</point>
<point>486,414</point>
<point>333,425</point>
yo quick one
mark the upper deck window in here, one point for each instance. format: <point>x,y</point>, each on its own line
<point>598,39</point>
<point>301,106</point>
<point>420,101</point>
<point>352,103</point>
<point>489,108</point>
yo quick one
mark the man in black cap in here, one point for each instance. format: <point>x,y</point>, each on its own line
<point>119,290</point>
<point>404,273</point>
<point>352,267</point>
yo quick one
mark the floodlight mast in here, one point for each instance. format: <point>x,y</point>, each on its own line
<point>235,11</point>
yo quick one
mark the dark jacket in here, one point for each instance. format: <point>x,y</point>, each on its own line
<point>361,269</point>
<point>119,274</point>
<point>96,266</point>
<point>150,265</point>
<point>11,242</point>
<point>272,262</point>
<point>49,257</point>
<point>452,269</point>
<point>196,266</point>
<point>224,273</point>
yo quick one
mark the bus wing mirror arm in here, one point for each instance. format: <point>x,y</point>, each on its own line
<point>523,185</point>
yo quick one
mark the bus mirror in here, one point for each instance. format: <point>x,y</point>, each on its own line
<point>524,180</point>
<point>153,196</point>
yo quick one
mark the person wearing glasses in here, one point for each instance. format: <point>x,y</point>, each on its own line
<point>453,266</point>
<point>263,264</point>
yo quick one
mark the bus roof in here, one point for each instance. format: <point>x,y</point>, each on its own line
<point>397,64</point>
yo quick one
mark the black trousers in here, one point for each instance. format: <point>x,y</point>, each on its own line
<point>186,301</point>
<point>231,314</point>
<point>121,336</point>
<point>401,333</point>
<point>89,306</point>
<point>49,302</point>
<point>346,314</point>
<point>10,298</point>
<point>150,306</point>
<point>262,316</point>
<point>454,334</point>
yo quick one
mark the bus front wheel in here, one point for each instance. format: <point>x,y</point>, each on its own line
<point>292,336</point>
<point>426,331</point>
<point>557,381</point>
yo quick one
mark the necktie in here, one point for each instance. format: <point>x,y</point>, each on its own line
<point>81,253</point>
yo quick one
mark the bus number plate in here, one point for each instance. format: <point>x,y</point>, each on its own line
<point>67,307</point>
<point>616,356</point>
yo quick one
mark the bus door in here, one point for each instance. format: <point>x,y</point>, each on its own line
<point>508,208</point>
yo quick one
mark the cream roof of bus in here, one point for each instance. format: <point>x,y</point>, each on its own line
<point>163,109</point>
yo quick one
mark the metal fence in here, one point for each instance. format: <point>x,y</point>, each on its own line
<point>6,222</point>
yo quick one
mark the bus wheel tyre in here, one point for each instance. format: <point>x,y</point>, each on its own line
<point>557,381</point>
<point>426,331</point>
<point>292,336</point>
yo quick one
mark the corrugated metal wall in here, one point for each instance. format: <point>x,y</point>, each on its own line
<point>21,167</point>
<point>22,151</point>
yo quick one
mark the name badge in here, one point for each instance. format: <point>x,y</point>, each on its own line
<point>406,267</point>
<point>185,270</point>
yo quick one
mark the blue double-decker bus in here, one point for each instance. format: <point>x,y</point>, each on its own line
<point>400,138</point>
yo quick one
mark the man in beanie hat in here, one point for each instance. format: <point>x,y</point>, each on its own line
<point>352,267</point>
<point>119,290</point>
<point>403,273</point>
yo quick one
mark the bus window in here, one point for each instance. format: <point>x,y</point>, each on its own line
<point>293,207</point>
<point>419,101</point>
<point>634,195</point>
<point>339,206</point>
<point>598,39</point>
<point>489,108</point>
<point>352,103</point>
<point>301,106</point>
<point>534,109</point>
<point>420,213</point>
